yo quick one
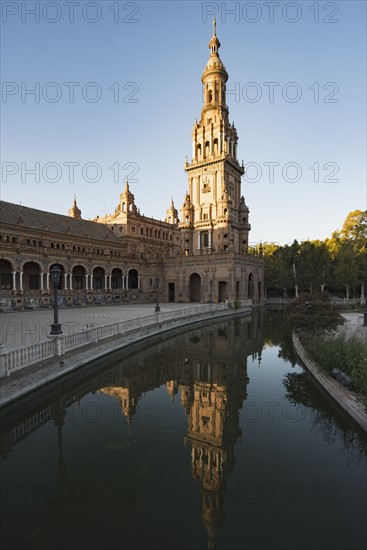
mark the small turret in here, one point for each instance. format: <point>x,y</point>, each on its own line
<point>74,211</point>
<point>127,200</point>
<point>172,214</point>
<point>187,212</point>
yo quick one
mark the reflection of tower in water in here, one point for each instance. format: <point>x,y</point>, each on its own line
<point>126,399</point>
<point>212,403</point>
<point>209,369</point>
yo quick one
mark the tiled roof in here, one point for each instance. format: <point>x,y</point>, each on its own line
<point>25,217</point>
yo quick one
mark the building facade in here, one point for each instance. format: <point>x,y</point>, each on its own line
<point>201,256</point>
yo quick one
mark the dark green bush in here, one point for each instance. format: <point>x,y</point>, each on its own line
<point>313,313</point>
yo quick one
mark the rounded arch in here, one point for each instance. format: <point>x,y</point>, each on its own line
<point>83,266</point>
<point>6,277</point>
<point>195,287</point>
<point>99,269</point>
<point>78,276</point>
<point>31,276</point>
<point>116,278</point>
<point>133,279</point>
<point>9,261</point>
<point>98,277</point>
<point>207,149</point>
<point>36,262</point>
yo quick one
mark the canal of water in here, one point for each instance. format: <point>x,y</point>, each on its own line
<point>212,438</point>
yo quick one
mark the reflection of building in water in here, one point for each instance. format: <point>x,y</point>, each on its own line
<point>213,402</point>
<point>207,366</point>
<point>127,401</point>
<point>172,388</point>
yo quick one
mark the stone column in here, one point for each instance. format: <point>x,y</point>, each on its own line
<point>86,282</point>
<point>109,282</point>
<point>21,280</point>
<point>199,240</point>
<point>105,282</point>
<point>41,281</point>
<point>48,281</point>
<point>209,238</point>
<point>65,281</point>
<point>14,274</point>
<point>139,281</point>
<point>91,282</point>
<point>71,281</point>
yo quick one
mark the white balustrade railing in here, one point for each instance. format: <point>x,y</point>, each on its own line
<point>13,360</point>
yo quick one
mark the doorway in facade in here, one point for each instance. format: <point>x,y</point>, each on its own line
<point>222,291</point>
<point>171,292</point>
<point>195,288</point>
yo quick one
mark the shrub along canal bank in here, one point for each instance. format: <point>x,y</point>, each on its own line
<point>345,351</point>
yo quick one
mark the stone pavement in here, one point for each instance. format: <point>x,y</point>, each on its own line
<point>22,328</point>
<point>354,326</point>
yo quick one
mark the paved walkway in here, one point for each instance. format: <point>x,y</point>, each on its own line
<point>22,328</point>
<point>354,326</point>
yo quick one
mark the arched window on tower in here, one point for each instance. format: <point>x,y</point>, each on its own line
<point>198,151</point>
<point>216,93</point>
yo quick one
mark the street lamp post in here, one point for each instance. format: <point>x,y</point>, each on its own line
<point>55,279</point>
<point>157,308</point>
<point>365,291</point>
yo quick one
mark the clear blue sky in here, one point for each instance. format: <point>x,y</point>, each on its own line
<point>154,53</point>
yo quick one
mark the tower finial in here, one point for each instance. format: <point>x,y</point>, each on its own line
<point>214,26</point>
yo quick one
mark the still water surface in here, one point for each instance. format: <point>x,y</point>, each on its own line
<point>215,438</point>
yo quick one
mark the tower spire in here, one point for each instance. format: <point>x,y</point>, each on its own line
<point>214,27</point>
<point>74,211</point>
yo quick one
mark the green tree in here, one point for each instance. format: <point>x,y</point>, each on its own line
<point>347,248</point>
<point>346,266</point>
<point>291,260</point>
<point>278,277</point>
<point>355,229</point>
<point>314,265</point>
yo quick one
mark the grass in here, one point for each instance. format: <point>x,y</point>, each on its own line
<point>347,354</point>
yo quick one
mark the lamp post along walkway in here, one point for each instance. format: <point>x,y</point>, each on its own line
<point>157,307</point>
<point>55,278</point>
